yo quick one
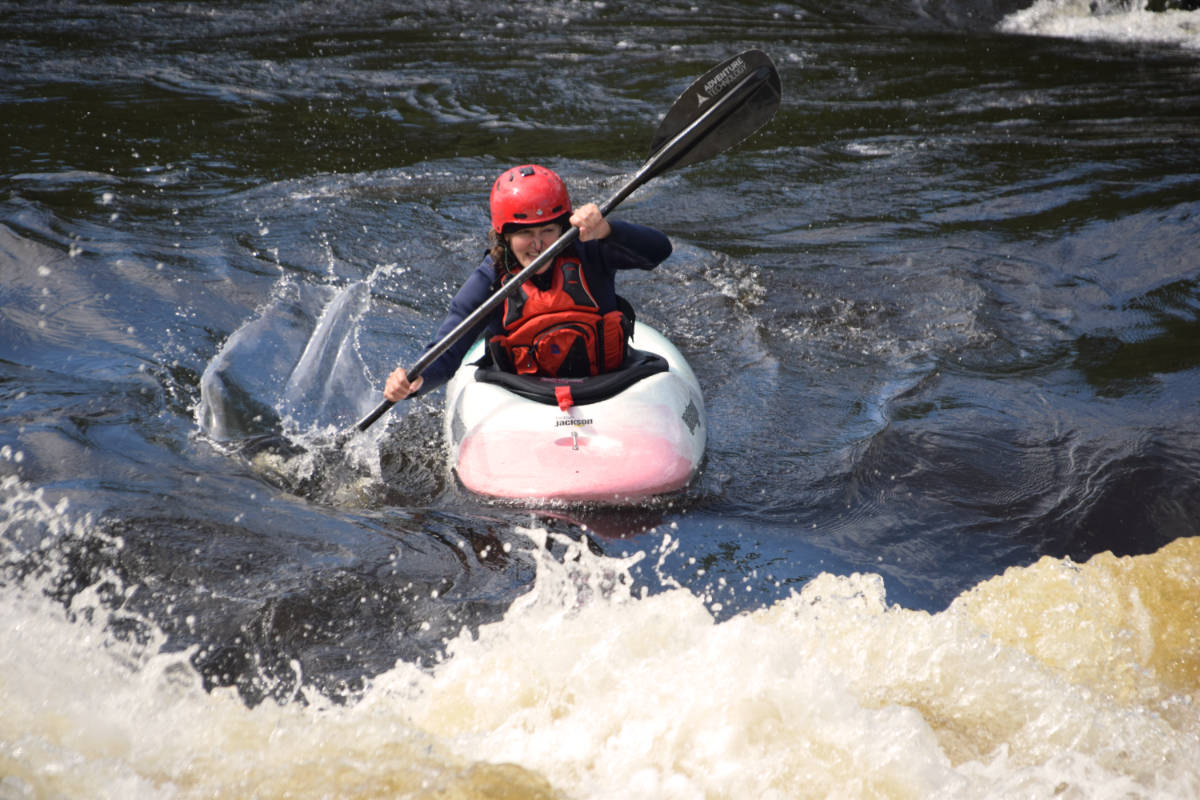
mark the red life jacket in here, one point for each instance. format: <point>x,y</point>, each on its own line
<point>559,331</point>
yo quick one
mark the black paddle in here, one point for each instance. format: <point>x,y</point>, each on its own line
<point>724,106</point>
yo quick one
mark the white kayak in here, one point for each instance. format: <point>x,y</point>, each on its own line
<point>617,438</point>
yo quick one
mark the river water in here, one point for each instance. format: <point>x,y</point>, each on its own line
<point>945,309</point>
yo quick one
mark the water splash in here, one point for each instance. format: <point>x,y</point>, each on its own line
<point>831,692</point>
<point>1109,20</point>
<point>295,362</point>
<point>1074,680</point>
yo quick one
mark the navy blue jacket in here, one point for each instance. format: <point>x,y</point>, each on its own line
<point>629,246</point>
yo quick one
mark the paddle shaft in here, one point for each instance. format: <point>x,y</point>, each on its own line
<point>658,162</point>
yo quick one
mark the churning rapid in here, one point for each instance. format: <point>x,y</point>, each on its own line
<point>944,310</point>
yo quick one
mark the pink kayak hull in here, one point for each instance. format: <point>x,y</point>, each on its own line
<point>583,468</point>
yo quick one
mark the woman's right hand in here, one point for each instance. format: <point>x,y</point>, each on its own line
<point>398,386</point>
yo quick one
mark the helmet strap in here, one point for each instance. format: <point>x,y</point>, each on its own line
<point>510,264</point>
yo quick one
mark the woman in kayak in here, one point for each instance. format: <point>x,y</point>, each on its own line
<point>566,320</point>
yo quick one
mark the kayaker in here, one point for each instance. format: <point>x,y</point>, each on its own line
<point>567,319</point>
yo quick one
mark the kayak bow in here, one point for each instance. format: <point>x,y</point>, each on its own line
<point>615,439</point>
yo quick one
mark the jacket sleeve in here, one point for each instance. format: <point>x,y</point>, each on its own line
<point>630,246</point>
<point>472,294</point>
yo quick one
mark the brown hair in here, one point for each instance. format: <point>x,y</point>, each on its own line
<point>498,250</point>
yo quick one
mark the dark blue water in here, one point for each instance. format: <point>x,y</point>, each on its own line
<point>945,308</point>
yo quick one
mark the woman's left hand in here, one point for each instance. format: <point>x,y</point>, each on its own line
<point>591,223</point>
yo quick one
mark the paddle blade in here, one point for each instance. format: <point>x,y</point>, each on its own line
<point>748,88</point>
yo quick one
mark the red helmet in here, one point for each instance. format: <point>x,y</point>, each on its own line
<point>528,195</point>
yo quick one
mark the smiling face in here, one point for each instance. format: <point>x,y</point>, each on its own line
<point>528,243</point>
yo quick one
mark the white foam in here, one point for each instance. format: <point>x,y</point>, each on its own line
<point>1107,21</point>
<point>588,689</point>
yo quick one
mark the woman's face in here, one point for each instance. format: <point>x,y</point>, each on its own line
<point>528,243</point>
